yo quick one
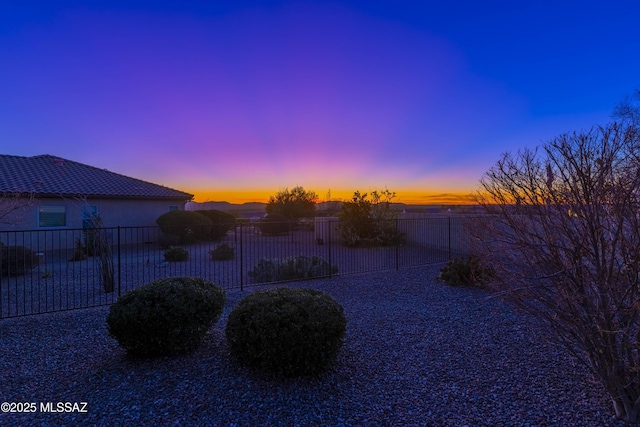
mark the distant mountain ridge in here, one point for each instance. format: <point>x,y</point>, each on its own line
<point>226,206</point>
<point>259,207</point>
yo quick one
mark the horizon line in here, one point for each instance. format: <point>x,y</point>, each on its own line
<point>407,197</point>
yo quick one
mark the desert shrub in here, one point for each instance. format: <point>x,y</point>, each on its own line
<point>287,331</point>
<point>176,254</point>
<point>369,220</point>
<point>376,233</point>
<point>16,260</point>
<point>165,317</point>
<point>290,268</point>
<point>187,226</point>
<point>465,271</point>
<point>274,224</point>
<point>222,252</point>
<point>79,252</point>
<point>95,238</point>
<point>221,223</point>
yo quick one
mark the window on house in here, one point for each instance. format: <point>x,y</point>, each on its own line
<point>52,216</point>
<point>173,208</point>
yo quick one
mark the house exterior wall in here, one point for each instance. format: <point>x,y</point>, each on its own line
<point>129,213</point>
<point>113,213</point>
<point>441,232</point>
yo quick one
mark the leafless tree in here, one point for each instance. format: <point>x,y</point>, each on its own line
<point>629,109</point>
<point>564,240</point>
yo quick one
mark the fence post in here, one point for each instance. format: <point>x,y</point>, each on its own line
<point>329,225</point>
<point>397,245</point>
<point>241,261</point>
<point>119,266</point>
<point>449,232</point>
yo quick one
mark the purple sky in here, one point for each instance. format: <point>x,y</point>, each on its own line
<point>236,100</point>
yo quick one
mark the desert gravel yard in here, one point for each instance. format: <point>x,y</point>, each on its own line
<point>416,353</point>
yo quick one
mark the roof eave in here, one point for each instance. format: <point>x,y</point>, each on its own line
<point>186,197</point>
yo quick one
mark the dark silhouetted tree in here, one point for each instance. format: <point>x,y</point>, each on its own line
<point>368,220</point>
<point>629,109</point>
<point>564,240</point>
<point>295,204</point>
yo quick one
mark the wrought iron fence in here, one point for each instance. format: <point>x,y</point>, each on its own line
<point>54,270</point>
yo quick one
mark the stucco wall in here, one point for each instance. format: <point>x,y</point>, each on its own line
<point>442,232</point>
<point>123,213</point>
<point>326,229</point>
<point>129,213</point>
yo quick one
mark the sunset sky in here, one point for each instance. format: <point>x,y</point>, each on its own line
<point>234,100</point>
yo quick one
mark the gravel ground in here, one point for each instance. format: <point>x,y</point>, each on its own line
<point>417,353</point>
<point>60,285</point>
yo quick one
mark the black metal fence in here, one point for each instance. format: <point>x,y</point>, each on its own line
<point>59,273</point>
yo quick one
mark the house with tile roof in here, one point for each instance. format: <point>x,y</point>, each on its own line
<point>58,194</point>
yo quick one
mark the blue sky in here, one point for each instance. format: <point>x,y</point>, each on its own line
<point>236,100</point>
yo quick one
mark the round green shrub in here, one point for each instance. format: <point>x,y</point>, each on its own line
<point>289,331</point>
<point>176,254</point>
<point>221,223</point>
<point>222,252</point>
<point>165,317</point>
<point>16,260</point>
<point>188,226</point>
<point>274,224</point>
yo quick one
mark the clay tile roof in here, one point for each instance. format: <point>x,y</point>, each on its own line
<point>51,176</point>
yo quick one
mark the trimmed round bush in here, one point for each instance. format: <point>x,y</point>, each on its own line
<point>165,317</point>
<point>288,331</point>
<point>222,252</point>
<point>274,224</point>
<point>188,226</point>
<point>176,254</point>
<point>221,223</point>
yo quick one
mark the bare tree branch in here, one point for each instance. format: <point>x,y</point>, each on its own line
<point>12,206</point>
<point>629,109</point>
<point>564,239</point>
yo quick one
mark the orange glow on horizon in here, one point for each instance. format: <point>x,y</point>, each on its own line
<point>411,197</point>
